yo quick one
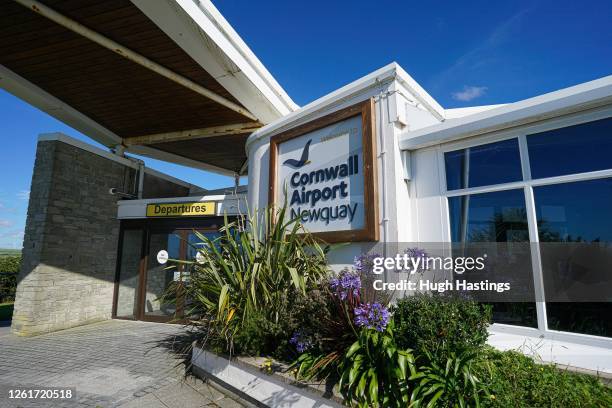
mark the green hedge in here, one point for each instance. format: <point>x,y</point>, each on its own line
<point>437,326</point>
<point>9,268</point>
<point>440,326</point>
<point>515,380</point>
<point>6,311</point>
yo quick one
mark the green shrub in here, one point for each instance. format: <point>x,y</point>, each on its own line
<point>375,372</point>
<point>6,311</point>
<point>440,326</point>
<point>247,274</point>
<point>262,336</point>
<point>326,331</point>
<point>9,268</point>
<point>331,325</point>
<point>453,384</point>
<point>515,380</point>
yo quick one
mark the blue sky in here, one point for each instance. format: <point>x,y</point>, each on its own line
<point>462,53</point>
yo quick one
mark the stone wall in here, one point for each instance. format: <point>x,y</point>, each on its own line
<point>71,237</point>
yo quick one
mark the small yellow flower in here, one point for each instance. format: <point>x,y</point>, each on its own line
<point>492,396</point>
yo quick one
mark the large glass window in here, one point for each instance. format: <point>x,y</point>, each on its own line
<point>572,149</point>
<point>489,217</point>
<point>493,222</point>
<point>577,273</point>
<point>573,219</point>
<point>484,165</point>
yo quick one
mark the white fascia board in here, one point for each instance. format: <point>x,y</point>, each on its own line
<point>126,161</point>
<point>39,98</point>
<point>174,158</point>
<point>565,101</point>
<point>421,96</point>
<point>202,32</point>
<point>455,113</point>
<point>378,78</point>
<point>186,199</point>
<point>285,100</point>
<point>226,204</point>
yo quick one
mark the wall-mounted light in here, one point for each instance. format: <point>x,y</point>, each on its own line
<point>406,165</point>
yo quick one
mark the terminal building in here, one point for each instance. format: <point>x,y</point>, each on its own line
<point>375,162</point>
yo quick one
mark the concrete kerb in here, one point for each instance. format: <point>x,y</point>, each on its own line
<point>244,378</point>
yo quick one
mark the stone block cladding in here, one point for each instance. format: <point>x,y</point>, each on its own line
<point>71,237</point>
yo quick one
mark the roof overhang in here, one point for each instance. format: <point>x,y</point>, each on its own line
<point>588,95</point>
<point>165,79</point>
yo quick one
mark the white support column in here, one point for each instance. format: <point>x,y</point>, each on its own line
<point>532,222</point>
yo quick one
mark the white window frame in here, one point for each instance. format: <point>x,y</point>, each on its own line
<point>527,185</point>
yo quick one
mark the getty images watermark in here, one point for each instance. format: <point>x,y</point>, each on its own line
<point>414,261</point>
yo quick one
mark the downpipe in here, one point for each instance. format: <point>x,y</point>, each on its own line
<point>383,164</point>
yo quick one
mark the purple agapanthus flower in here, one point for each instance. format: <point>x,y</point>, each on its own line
<point>372,316</point>
<point>364,263</point>
<point>301,341</point>
<point>345,283</point>
<point>418,253</point>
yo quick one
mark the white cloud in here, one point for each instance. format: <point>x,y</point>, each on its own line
<point>469,92</point>
<point>5,223</point>
<point>24,195</point>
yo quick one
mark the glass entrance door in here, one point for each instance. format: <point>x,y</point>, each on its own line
<point>127,287</point>
<point>141,280</point>
<point>160,276</point>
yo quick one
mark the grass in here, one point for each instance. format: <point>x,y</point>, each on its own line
<point>9,252</point>
<point>6,311</point>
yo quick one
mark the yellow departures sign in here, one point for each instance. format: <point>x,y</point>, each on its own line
<point>181,209</point>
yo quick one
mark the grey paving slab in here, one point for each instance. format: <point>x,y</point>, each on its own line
<point>110,364</point>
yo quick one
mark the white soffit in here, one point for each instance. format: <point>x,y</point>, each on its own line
<point>35,96</point>
<point>577,98</point>
<point>204,34</point>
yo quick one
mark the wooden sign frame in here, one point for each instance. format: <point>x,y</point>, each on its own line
<point>365,109</point>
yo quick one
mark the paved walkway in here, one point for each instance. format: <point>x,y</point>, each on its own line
<point>110,364</point>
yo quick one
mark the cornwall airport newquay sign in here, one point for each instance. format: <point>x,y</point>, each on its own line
<point>325,170</point>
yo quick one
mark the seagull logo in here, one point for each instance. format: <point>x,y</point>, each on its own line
<point>296,164</point>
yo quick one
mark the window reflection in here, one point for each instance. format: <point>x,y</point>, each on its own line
<point>160,276</point>
<point>494,219</point>
<point>577,273</point>
<point>484,165</point>
<point>129,274</point>
<point>572,149</point>
<point>490,217</point>
<point>195,243</point>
